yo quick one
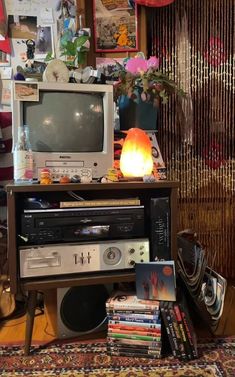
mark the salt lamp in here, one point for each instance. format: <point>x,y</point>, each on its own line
<point>136,156</point>
<point>154,3</point>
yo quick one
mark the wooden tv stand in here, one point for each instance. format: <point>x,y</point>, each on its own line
<point>16,193</point>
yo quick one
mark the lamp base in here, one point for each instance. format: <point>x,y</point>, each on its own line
<point>131,179</point>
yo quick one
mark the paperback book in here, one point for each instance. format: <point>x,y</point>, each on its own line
<point>156,281</point>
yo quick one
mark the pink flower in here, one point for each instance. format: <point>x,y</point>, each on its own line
<point>153,62</point>
<point>136,65</point>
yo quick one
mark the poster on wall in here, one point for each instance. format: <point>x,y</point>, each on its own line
<point>115,25</point>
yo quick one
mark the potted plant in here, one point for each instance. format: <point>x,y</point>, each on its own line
<point>73,51</point>
<point>76,50</point>
<point>141,87</point>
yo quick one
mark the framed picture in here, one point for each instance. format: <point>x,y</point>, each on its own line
<point>115,25</point>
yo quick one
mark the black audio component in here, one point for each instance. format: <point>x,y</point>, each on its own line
<point>81,224</point>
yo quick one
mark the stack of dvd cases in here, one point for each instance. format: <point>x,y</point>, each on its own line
<point>134,326</point>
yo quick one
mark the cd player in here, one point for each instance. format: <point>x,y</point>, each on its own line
<point>43,226</point>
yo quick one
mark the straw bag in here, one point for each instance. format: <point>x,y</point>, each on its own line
<point>7,299</point>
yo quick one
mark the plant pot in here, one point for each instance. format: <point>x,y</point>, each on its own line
<point>132,114</point>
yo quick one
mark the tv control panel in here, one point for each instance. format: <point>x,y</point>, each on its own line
<point>60,171</point>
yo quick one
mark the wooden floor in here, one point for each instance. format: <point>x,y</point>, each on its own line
<point>13,331</point>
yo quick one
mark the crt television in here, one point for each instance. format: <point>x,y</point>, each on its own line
<point>70,127</point>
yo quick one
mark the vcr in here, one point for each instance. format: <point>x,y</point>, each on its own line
<point>43,226</point>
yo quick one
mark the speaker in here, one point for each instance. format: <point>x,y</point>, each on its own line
<point>76,311</point>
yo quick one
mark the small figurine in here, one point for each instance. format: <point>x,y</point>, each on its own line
<point>65,179</point>
<point>76,179</point>
<point>112,175</point>
<point>29,64</point>
<point>149,179</point>
<point>45,177</point>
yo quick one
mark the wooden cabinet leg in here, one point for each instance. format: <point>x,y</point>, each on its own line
<point>32,300</point>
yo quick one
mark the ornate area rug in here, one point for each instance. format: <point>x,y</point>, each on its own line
<point>217,359</point>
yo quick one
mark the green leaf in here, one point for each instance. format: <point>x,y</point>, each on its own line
<point>49,57</point>
<point>81,57</point>
<point>80,41</point>
<point>70,49</point>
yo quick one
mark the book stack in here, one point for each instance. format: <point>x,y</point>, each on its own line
<point>179,329</point>
<point>134,326</point>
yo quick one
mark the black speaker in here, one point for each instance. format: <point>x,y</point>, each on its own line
<point>78,310</point>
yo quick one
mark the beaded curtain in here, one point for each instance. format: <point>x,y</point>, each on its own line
<point>195,41</point>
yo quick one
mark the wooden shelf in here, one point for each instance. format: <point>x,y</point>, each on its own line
<point>76,280</point>
<point>17,193</point>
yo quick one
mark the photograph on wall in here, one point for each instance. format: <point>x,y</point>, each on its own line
<point>108,65</point>
<point>26,92</point>
<point>44,42</point>
<point>5,59</point>
<point>22,27</point>
<point>115,25</point>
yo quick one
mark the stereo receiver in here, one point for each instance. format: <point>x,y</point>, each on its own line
<point>48,260</point>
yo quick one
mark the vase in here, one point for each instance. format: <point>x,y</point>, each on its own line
<point>137,114</point>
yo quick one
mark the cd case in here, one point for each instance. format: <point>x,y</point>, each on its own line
<point>156,281</point>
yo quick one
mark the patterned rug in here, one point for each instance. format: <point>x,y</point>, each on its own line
<point>217,359</point>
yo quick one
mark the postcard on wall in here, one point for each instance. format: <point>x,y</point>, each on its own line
<point>46,15</point>
<point>5,59</point>
<point>5,73</point>
<point>26,92</point>
<point>6,93</point>
<point>115,25</point>
<point>31,7</point>
<point>156,281</point>
<point>22,27</point>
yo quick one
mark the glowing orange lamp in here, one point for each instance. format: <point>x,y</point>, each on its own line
<point>136,156</point>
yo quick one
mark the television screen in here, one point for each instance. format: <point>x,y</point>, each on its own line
<point>65,122</point>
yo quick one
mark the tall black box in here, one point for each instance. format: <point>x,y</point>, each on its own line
<point>160,237</point>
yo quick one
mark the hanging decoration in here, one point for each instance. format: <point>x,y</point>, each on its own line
<point>183,51</point>
<point>201,49</point>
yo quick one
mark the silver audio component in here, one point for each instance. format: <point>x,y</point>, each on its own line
<point>47,260</point>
